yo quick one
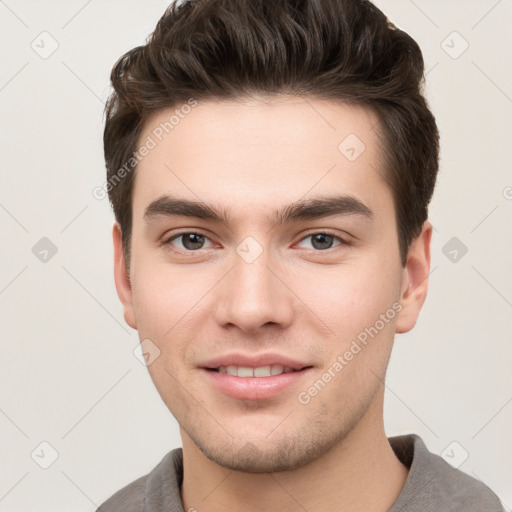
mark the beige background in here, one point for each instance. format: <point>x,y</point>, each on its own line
<point>68,373</point>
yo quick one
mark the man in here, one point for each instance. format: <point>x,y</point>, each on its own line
<point>270,166</point>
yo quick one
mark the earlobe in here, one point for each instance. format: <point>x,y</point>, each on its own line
<point>121,277</point>
<point>415,280</point>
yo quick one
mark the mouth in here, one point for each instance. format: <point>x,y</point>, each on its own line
<point>259,371</point>
<point>256,382</point>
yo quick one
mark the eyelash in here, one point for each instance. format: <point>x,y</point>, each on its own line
<point>343,242</point>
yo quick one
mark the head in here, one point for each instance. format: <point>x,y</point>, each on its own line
<point>257,117</point>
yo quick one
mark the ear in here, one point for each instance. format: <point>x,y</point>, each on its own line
<point>415,280</point>
<point>121,277</point>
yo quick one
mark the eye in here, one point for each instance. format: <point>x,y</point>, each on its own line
<point>190,241</point>
<point>323,241</point>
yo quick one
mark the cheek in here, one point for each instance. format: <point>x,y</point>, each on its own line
<point>165,296</point>
<point>348,297</point>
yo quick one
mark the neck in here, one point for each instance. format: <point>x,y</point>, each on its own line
<point>360,473</point>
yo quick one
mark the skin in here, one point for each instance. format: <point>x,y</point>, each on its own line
<point>253,156</point>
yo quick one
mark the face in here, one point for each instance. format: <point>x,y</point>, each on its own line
<point>286,259</point>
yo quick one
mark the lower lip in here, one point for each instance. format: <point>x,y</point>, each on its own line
<point>254,388</point>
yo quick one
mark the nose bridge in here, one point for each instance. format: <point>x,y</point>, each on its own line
<point>252,295</point>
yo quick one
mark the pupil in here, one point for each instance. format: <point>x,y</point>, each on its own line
<point>321,238</point>
<point>193,241</point>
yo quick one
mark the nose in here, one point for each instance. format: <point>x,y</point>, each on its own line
<point>255,294</point>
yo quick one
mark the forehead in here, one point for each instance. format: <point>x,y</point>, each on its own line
<point>251,153</point>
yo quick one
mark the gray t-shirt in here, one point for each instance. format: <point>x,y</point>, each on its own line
<point>431,486</point>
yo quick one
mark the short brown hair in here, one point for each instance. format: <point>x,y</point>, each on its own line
<point>343,50</point>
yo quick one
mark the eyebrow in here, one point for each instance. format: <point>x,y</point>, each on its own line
<point>304,209</point>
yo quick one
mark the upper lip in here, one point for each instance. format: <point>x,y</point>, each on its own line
<point>254,361</point>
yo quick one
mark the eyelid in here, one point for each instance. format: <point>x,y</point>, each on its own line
<point>168,239</point>
<point>343,241</point>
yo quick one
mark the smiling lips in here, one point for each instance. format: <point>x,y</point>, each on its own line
<point>254,377</point>
<point>260,371</point>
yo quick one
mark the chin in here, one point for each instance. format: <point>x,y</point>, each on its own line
<point>264,455</point>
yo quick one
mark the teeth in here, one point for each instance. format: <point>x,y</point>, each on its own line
<point>260,371</point>
<point>276,369</point>
<point>244,371</point>
<point>232,370</point>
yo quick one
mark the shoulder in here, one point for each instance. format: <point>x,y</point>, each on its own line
<point>158,489</point>
<point>433,484</point>
<point>128,499</point>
